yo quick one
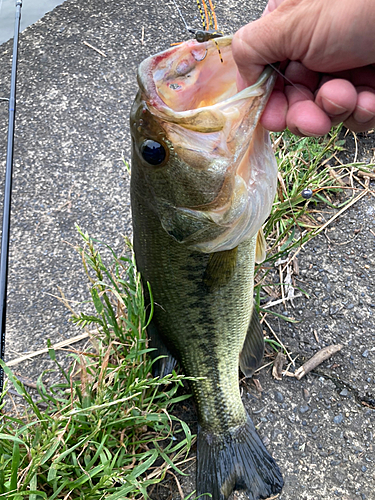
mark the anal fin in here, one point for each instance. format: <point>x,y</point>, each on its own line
<point>253,349</point>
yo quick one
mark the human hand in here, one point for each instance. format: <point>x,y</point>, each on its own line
<point>328,54</point>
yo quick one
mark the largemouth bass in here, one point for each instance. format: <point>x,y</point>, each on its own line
<point>203,180</point>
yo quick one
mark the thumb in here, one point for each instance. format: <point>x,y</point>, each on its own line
<point>265,41</point>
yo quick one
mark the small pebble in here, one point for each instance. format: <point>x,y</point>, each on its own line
<point>365,354</point>
<point>363,468</point>
<point>338,419</point>
<point>306,395</point>
<point>303,409</point>
<point>344,392</point>
<point>279,397</point>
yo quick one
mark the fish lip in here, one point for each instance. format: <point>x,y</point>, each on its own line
<point>149,90</point>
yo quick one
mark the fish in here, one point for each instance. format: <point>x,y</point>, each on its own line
<point>203,180</point>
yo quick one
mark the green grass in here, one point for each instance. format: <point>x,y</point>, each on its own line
<point>304,163</point>
<point>96,433</point>
<point>105,430</point>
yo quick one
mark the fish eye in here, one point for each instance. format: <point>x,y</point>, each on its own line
<point>153,152</point>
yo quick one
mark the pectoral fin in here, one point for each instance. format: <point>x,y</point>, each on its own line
<point>220,268</point>
<point>261,247</point>
<point>253,349</point>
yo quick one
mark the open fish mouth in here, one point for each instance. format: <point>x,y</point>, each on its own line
<point>217,166</point>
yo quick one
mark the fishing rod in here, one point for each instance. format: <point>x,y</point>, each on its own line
<point>8,192</point>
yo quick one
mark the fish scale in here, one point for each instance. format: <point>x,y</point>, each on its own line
<point>185,314</point>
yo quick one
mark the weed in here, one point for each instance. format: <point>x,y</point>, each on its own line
<point>104,431</point>
<point>304,163</point>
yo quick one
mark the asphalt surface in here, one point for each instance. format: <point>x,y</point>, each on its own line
<point>71,137</point>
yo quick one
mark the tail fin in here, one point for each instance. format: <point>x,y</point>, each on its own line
<point>238,461</point>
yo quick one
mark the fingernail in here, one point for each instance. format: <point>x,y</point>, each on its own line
<point>331,108</point>
<point>362,115</point>
<point>307,134</point>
